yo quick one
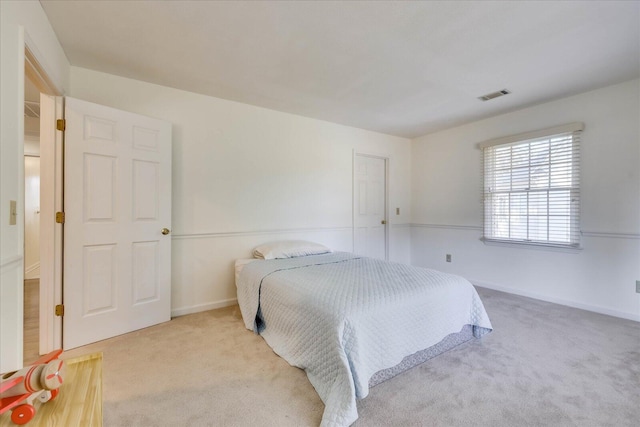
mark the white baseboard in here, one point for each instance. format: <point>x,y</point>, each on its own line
<point>534,295</point>
<point>32,272</point>
<point>203,307</point>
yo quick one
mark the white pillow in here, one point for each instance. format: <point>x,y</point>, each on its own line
<point>240,263</point>
<point>289,249</point>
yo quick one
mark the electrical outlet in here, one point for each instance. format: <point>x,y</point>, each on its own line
<point>448,257</point>
<point>638,286</point>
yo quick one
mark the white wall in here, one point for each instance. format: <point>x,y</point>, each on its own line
<point>20,22</point>
<point>243,175</point>
<point>447,208</point>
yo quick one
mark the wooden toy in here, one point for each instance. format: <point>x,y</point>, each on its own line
<point>19,389</point>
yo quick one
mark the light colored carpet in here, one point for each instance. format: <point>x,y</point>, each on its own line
<point>543,365</point>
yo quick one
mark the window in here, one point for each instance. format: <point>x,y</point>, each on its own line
<point>532,188</point>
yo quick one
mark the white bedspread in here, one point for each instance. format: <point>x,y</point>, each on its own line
<point>342,318</point>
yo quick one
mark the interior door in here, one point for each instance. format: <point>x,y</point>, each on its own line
<point>117,198</point>
<point>369,206</point>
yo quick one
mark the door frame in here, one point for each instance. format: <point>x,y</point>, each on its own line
<point>387,162</point>
<point>51,162</point>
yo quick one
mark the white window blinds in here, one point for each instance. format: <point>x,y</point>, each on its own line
<point>532,187</point>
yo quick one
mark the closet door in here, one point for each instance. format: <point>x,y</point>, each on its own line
<point>369,206</point>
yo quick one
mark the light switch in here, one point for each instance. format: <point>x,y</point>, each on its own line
<point>397,211</point>
<point>13,212</point>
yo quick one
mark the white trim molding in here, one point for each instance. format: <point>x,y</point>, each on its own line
<point>217,235</point>
<point>401,225</point>
<point>609,235</point>
<point>598,234</point>
<point>534,246</point>
<point>10,260</point>
<point>448,226</point>
<point>176,312</point>
<point>568,128</point>
<point>561,301</point>
<point>32,268</point>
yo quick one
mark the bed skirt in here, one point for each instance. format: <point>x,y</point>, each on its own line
<point>415,359</point>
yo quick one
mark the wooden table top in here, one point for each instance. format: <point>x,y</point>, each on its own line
<point>79,402</point>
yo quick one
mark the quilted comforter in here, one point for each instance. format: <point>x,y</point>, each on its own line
<point>342,318</point>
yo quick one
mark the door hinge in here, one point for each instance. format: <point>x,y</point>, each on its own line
<point>61,124</point>
<point>60,217</point>
<point>60,310</point>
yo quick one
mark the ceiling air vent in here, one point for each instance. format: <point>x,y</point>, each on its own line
<point>497,94</point>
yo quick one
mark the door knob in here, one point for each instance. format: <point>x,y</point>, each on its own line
<point>165,231</point>
<point>383,222</point>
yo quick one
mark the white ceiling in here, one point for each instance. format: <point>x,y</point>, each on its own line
<point>402,68</point>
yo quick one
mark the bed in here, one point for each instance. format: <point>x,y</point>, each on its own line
<point>351,322</point>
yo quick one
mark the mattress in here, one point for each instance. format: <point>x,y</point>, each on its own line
<point>344,318</point>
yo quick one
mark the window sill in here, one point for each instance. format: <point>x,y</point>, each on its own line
<point>534,246</point>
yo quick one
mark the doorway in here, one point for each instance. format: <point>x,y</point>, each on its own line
<point>43,241</point>
<point>31,313</point>
<point>149,169</point>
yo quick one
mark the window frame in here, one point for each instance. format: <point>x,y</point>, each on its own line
<point>489,191</point>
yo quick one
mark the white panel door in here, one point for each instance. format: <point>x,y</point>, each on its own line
<point>369,206</point>
<point>117,198</point>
